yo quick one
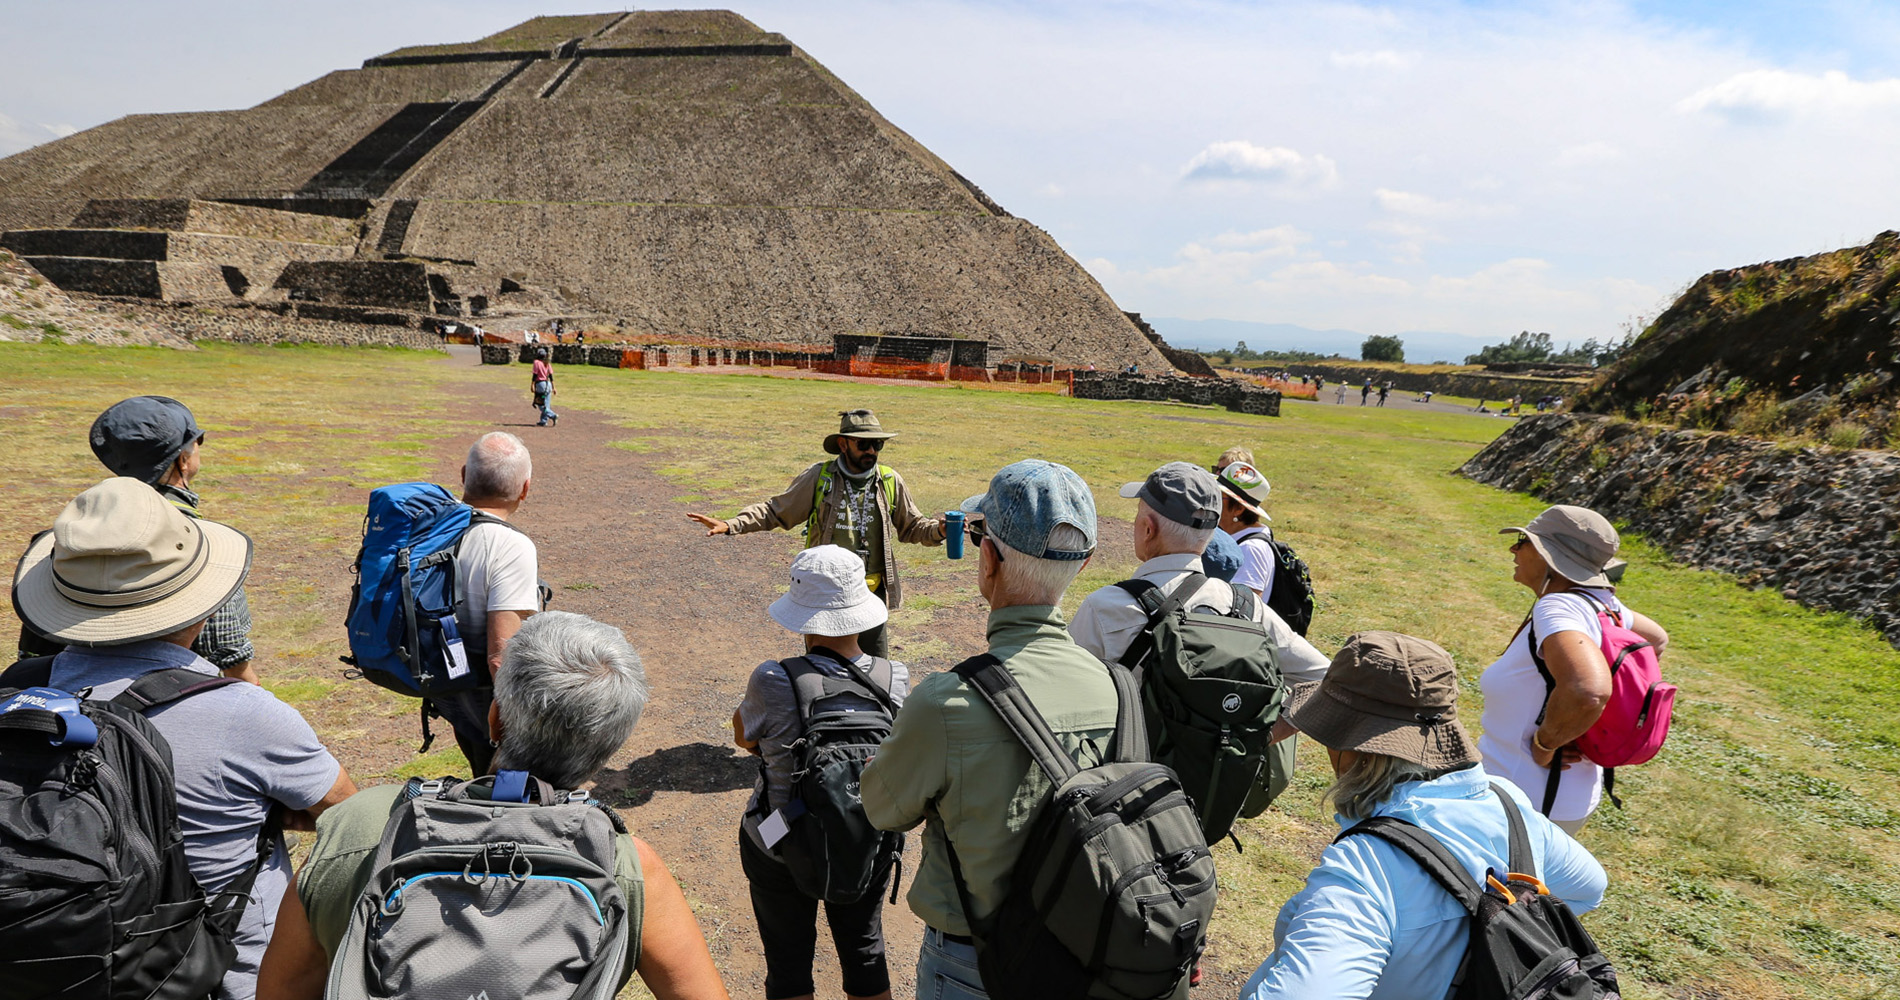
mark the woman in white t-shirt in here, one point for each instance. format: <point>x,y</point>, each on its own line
<point>1560,556</point>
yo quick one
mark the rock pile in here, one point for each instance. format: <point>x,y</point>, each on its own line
<point>1822,527</point>
<point>1241,397</point>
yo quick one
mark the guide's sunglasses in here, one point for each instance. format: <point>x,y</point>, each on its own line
<point>978,532</point>
<point>867,444</point>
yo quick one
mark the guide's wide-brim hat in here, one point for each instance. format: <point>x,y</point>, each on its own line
<point>861,424</point>
<point>1577,543</point>
<point>1387,693</point>
<point>122,564</point>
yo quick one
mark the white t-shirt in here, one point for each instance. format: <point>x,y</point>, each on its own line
<point>1256,560</point>
<point>1514,693</point>
<point>497,569</point>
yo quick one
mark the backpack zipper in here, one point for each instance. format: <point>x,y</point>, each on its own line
<point>392,904</point>
<point>1552,978</point>
<point>135,839</point>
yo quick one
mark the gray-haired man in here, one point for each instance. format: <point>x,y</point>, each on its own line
<point>950,762</point>
<point>497,581</point>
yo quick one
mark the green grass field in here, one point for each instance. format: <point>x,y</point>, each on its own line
<point>1756,857</point>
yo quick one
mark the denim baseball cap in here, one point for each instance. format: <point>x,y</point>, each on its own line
<point>1027,500</point>
<point>1221,559</point>
<point>141,437</point>
<point>1182,493</point>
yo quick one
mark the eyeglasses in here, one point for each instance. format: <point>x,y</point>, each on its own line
<point>1521,539</point>
<point>868,444</point>
<point>978,532</point>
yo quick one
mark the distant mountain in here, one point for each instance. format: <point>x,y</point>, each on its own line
<point>1215,334</point>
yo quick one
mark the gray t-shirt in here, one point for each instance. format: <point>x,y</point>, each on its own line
<point>235,750</point>
<point>769,713</point>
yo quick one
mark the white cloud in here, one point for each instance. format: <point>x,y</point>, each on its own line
<point>1050,190</point>
<point>1587,154</point>
<point>1240,160</point>
<point>1380,59</point>
<point>1422,206</point>
<point>1779,92</point>
<point>1281,238</point>
<point>16,135</point>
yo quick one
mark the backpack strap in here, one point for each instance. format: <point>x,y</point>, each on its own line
<point>31,672</point>
<point>1522,861</point>
<point>987,677</point>
<point>1156,606</point>
<point>1425,849</point>
<point>162,687</point>
<point>876,683</point>
<point>1244,601</point>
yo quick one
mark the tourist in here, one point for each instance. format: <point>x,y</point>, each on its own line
<point>829,605</point>
<point>951,763</point>
<point>1385,389</point>
<point>1178,513</point>
<point>155,439</point>
<point>541,377</point>
<point>1243,496</point>
<point>1560,556</point>
<point>851,501</point>
<point>1237,453</point>
<point>107,582</point>
<point>568,693</point>
<point>1364,392</point>
<point>1370,920</point>
<point>1339,394</point>
<point>497,582</point>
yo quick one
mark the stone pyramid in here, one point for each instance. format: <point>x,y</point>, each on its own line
<point>684,175</point>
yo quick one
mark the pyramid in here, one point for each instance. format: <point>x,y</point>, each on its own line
<point>683,175</point>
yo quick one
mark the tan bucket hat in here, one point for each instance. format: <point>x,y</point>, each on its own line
<point>1387,693</point>
<point>857,424</point>
<point>1577,543</point>
<point>122,565</point>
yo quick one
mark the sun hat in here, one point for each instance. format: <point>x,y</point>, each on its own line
<point>141,437</point>
<point>122,564</point>
<point>860,424</point>
<point>1222,558</point>
<point>1246,485</point>
<point>1576,543</point>
<point>828,595</point>
<point>1387,693</point>
<point>1027,500</point>
<point>1182,493</point>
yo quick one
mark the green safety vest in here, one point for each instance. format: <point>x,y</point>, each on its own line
<point>884,475</point>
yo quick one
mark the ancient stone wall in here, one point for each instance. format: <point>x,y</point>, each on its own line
<point>1474,384</point>
<point>1241,397</point>
<point>1819,526</point>
<point>263,324</point>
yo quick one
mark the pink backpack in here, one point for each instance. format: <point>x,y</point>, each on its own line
<point>1635,722</point>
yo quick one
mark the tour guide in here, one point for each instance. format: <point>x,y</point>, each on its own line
<point>853,502</point>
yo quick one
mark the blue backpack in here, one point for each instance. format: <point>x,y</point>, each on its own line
<point>403,634</point>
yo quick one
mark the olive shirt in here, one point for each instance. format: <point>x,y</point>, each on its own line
<point>951,764</point>
<point>339,868</point>
<point>792,508</point>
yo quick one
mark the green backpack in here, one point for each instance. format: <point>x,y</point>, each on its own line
<point>1112,894</point>
<point>1211,691</point>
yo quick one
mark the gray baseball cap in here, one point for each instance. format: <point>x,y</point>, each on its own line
<point>1027,500</point>
<point>1182,493</point>
<point>141,437</point>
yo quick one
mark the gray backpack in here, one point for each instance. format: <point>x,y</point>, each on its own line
<point>1112,894</point>
<point>501,887</point>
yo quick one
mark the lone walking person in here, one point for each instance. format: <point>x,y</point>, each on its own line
<point>543,379</point>
<point>852,501</point>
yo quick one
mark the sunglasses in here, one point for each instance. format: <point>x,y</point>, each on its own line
<point>978,532</point>
<point>867,444</point>
<point>1521,540</point>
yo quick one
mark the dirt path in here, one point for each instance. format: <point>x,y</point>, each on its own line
<point>616,547</point>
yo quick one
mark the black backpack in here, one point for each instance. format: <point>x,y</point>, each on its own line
<point>1292,595</point>
<point>1210,693</point>
<point>1525,943</point>
<point>1114,889</point>
<point>830,846</point>
<point>96,896</point>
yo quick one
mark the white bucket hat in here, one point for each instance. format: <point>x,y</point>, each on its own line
<point>122,565</point>
<point>828,595</point>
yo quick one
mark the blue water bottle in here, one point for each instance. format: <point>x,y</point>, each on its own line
<point>953,533</point>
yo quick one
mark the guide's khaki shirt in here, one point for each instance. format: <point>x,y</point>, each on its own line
<point>791,509</point>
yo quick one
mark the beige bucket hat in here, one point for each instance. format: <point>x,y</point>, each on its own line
<point>1577,543</point>
<point>1387,693</point>
<point>857,424</point>
<point>123,565</point>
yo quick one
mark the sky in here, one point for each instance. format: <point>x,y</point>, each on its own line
<point>1472,169</point>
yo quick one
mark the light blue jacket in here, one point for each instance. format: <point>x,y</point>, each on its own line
<point>1368,909</point>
